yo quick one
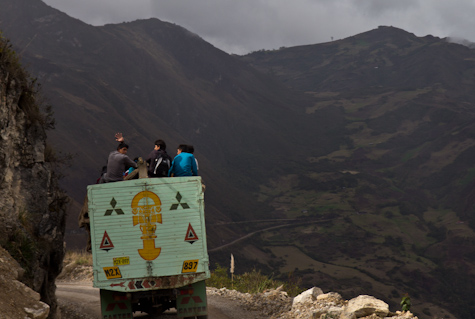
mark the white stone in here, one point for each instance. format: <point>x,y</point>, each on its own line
<point>363,306</point>
<point>308,296</point>
<point>41,313</point>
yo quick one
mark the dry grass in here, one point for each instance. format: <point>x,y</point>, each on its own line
<point>77,266</point>
<point>82,258</point>
<point>251,282</point>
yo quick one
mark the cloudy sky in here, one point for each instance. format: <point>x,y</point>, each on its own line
<point>242,26</point>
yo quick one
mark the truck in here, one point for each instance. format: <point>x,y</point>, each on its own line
<point>148,243</point>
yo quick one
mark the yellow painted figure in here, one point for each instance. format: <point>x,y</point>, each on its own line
<point>146,209</point>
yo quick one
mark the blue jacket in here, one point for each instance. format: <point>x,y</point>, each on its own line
<point>184,164</point>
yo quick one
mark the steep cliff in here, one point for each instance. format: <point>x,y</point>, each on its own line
<point>32,209</point>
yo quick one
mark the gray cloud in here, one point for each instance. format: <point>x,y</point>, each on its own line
<point>247,25</point>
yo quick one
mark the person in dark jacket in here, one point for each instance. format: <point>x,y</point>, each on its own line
<point>158,160</point>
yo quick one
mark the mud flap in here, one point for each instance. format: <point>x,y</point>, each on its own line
<point>191,300</point>
<point>115,305</point>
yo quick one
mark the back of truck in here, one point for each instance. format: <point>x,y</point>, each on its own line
<point>149,246</point>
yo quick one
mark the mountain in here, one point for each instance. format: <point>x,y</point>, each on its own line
<point>408,103</point>
<point>151,79</point>
<point>399,194</point>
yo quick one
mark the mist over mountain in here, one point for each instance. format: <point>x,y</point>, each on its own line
<point>361,148</point>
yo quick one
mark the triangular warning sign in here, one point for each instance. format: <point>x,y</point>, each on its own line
<point>106,243</point>
<point>191,236</point>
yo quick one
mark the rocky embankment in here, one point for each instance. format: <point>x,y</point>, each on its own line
<point>16,299</point>
<point>312,304</point>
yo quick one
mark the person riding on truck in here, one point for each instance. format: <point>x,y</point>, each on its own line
<point>184,164</point>
<point>118,162</point>
<point>158,160</point>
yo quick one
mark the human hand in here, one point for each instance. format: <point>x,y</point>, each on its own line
<point>119,137</point>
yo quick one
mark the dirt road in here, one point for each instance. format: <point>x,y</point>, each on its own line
<point>80,300</point>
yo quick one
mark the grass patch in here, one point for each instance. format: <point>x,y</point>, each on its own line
<point>407,156</point>
<point>77,266</point>
<point>468,178</point>
<point>250,282</point>
<point>448,154</point>
<point>80,258</point>
<point>451,221</point>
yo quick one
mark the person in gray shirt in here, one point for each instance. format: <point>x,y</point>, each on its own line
<point>118,162</point>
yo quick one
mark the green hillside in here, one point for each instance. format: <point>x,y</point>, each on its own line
<point>399,191</point>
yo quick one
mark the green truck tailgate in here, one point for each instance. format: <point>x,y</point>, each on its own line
<point>148,233</point>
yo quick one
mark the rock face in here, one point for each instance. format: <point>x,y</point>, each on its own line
<point>32,209</point>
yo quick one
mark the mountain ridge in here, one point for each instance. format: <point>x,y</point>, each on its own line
<point>364,60</point>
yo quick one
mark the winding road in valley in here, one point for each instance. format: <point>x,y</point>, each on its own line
<point>271,228</point>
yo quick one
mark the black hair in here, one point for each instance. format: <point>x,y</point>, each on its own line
<point>122,145</point>
<point>190,149</point>
<point>183,147</point>
<point>161,143</point>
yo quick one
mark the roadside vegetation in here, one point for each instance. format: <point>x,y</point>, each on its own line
<point>77,266</point>
<point>80,258</point>
<point>250,282</point>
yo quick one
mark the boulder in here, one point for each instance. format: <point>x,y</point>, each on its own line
<point>330,297</point>
<point>40,311</point>
<point>363,306</point>
<point>308,296</point>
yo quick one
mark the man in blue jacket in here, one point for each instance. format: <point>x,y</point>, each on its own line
<point>184,164</point>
